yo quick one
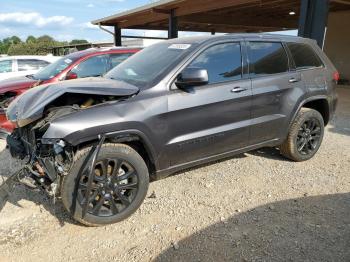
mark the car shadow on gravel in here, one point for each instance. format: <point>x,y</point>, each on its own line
<point>270,153</point>
<point>40,198</point>
<point>304,229</point>
<point>340,125</point>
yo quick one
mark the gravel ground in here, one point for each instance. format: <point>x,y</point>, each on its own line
<point>256,206</point>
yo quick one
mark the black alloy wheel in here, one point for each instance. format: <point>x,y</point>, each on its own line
<point>309,136</point>
<point>118,188</point>
<point>114,187</point>
<point>305,135</point>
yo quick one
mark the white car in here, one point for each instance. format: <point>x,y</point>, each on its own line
<point>12,66</point>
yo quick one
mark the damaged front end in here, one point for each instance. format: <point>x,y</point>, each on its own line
<point>50,159</point>
<point>46,163</point>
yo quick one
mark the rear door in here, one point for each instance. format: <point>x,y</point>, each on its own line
<point>274,88</point>
<point>214,118</point>
<point>309,65</point>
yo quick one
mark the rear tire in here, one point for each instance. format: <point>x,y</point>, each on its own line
<point>119,187</point>
<point>305,136</point>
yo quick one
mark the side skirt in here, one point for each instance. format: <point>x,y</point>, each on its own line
<point>166,172</point>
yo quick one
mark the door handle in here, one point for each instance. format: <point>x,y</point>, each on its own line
<point>238,89</point>
<point>294,80</point>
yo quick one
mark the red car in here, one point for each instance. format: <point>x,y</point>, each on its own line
<point>88,63</point>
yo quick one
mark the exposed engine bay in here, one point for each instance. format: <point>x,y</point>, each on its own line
<point>49,161</point>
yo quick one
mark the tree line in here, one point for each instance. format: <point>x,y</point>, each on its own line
<point>32,46</point>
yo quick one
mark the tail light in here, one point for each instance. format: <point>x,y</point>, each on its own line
<point>336,76</point>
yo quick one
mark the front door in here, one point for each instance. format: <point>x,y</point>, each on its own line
<point>214,118</point>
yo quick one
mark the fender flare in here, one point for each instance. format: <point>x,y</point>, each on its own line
<point>302,103</point>
<point>124,136</point>
<point>141,137</point>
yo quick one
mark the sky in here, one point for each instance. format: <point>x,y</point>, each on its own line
<point>63,19</point>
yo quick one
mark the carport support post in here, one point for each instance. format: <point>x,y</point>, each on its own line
<point>173,27</point>
<point>313,19</point>
<point>117,36</point>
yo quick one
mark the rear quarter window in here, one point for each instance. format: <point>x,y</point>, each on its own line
<point>304,56</point>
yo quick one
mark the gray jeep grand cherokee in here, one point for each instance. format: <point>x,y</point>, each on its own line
<point>98,142</point>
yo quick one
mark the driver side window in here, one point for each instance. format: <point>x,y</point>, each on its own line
<point>92,67</point>
<point>222,61</point>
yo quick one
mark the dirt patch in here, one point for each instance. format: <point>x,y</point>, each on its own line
<point>256,206</point>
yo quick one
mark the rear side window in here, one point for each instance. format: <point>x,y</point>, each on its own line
<point>304,56</point>
<point>116,59</point>
<point>223,62</point>
<point>92,67</point>
<point>31,64</point>
<point>266,58</point>
<point>5,66</point>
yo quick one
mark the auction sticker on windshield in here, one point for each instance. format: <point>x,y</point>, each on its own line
<point>179,46</point>
<point>68,61</point>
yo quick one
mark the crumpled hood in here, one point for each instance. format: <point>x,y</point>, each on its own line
<point>15,83</point>
<point>30,106</point>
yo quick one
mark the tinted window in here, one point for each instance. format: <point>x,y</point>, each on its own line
<point>223,62</point>
<point>147,67</point>
<point>5,66</point>
<point>116,59</point>
<point>267,58</point>
<point>30,64</point>
<point>93,66</point>
<point>304,56</point>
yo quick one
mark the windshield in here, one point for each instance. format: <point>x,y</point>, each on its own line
<point>147,67</point>
<point>53,69</point>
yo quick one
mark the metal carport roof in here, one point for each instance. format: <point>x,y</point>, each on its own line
<point>213,15</point>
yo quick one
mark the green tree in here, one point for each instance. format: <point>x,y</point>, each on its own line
<point>15,40</point>
<point>7,42</point>
<point>30,39</point>
<point>39,48</point>
<point>32,46</point>
<point>78,41</point>
<point>45,38</point>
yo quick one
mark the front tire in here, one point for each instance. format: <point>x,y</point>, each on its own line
<point>305,136</point>
<point>119,186</point>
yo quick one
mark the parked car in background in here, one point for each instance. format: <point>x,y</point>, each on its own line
<point>172,106</point>
<point>12,66</point>
<point>91,62</point>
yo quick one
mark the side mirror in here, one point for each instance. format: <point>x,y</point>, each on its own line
<point>71,75</point>
<point>192,76</point>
